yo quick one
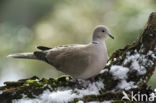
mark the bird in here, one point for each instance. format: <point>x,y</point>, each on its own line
<point>81,61</point>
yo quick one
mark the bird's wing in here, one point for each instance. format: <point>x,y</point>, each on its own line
<point>41,55</point>
<point>69,57</point>
<point>43,48</point>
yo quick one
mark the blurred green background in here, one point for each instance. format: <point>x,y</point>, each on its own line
<point>25,24</point>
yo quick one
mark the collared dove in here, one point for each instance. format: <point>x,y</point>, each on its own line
<point>79,61</point>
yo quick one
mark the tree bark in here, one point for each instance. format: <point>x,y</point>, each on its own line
<point>142,52</point>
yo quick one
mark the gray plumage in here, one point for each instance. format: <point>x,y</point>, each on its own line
<point>79,61</point>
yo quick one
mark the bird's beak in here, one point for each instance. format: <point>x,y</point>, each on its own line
<point>110,36</point>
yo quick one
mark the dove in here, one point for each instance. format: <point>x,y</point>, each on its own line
<point>81,61</point>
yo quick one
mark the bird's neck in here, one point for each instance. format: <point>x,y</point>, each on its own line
<point>98,41</point>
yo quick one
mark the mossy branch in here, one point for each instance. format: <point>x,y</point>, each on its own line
<point>144,48</point>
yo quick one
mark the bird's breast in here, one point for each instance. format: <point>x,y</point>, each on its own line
<point>98,60</point>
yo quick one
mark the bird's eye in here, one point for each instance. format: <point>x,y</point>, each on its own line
<point>103,31</point>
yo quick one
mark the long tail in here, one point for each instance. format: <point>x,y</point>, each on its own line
<point>23,56</point>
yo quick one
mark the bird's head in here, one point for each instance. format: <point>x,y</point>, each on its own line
<point>101,32</point>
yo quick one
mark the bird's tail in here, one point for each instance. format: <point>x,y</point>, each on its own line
<point>23,56</point>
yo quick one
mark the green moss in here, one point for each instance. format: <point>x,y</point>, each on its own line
<point>76,100</point>
<point>122,101</point>
<point>30,81</point>
<point>26,85</point>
